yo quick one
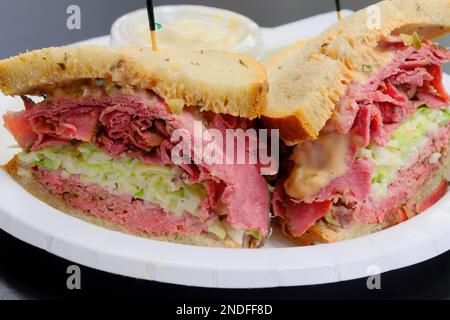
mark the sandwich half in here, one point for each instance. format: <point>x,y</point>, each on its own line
<point>97,142</point>
<point>366,117</point>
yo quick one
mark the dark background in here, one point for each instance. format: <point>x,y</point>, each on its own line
<point>28,273</point>
<point>32,24</point>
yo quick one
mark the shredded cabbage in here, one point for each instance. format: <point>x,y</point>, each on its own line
<point>218,229</point>
<point>153,183</point>
<point>406,141</point>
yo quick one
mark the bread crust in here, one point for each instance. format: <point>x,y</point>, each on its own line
<point>308,79</point>
<point>215,81</point>
<point>58,203</point>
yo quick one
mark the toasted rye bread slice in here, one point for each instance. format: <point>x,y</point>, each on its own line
<point>307,81</point>
<point>57,202</point>
<point>323,232</point>
<point>215,81</point>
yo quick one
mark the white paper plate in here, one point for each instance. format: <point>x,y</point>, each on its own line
<point>278,264</point>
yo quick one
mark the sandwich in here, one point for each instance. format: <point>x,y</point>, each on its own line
<point>365,116</point>
<point>98,129</point>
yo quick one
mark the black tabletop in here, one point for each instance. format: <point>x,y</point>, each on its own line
<point>29,273</point>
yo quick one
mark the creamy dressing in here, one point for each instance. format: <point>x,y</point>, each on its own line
<point>195,34</point>
<point>317,163</point>
<point>84,88</point>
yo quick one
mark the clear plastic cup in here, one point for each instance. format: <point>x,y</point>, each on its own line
<point>191,27</point>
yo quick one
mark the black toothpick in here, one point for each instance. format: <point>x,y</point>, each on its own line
<point>338,9</point>
<point>151,19</point>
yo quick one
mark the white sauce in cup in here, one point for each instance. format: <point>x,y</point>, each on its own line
<point>192,28</point>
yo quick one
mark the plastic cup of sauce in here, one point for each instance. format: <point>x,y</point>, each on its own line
<point>191,28</point>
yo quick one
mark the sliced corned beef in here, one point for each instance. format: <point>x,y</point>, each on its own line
<point>297,217</point>
<point>140,126</point>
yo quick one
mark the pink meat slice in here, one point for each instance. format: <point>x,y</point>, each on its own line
<point>299,216</point>
<point>64,120</point>
<point>18,124</point>
<point>245,191</point>
<point>71,124</point>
